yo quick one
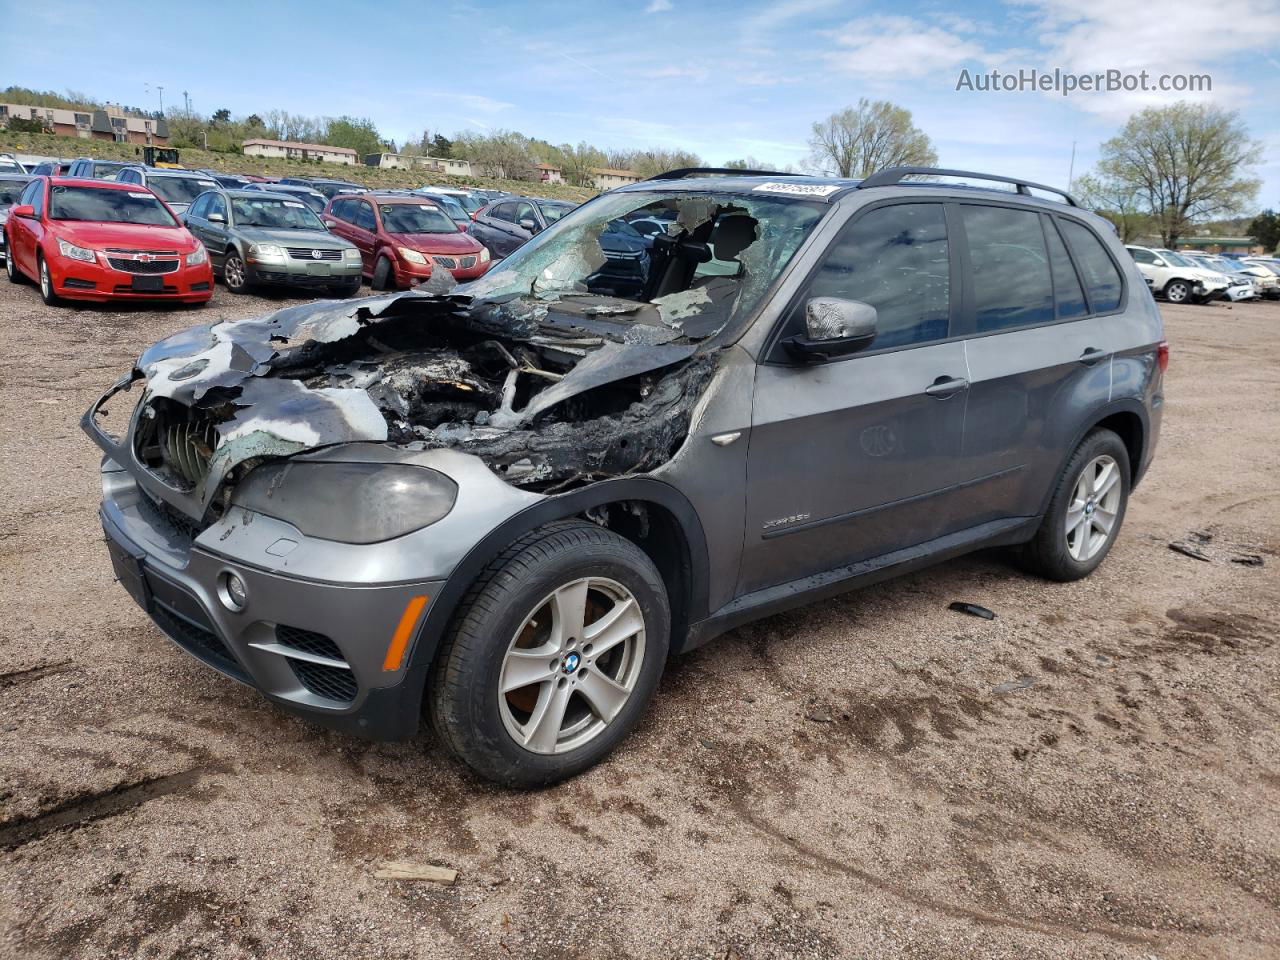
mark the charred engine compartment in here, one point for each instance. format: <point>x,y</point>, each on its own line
<point>454,383</point>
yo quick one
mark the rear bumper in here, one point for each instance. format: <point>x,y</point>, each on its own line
<point>319,650</point>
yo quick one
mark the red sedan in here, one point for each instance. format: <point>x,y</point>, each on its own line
<point>403,238</point>
<point>98,240</point>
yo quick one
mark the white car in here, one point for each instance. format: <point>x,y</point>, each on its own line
<point>1244,284</point>
<point>1175,278</point>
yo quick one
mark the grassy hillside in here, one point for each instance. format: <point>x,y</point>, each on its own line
<point>71,147</point>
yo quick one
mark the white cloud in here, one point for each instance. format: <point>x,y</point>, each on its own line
<point>889,48</point>
<point>658,6</point>
<point>773,16</point>
<point>1093,36</point>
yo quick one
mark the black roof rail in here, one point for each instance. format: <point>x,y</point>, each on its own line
<point>685,172</point>
<point>893,175</point>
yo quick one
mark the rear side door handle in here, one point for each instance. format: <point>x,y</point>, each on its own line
<point>946,386</point>
<point>1091,356</point>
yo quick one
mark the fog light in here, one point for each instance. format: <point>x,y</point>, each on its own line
<point>234,594</point>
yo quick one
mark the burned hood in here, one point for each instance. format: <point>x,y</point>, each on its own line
<point>429,367</point>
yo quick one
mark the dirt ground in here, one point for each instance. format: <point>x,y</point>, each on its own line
<point>1092,774</point>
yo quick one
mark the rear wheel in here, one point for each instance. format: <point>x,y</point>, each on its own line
<point>1177,291</point>
<point>46,284</point>
<point>553,657</point>
<point>1086,511</point>
<point>234,273</point>
<point>382,275</point>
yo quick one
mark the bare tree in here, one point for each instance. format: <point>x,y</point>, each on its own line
<point>858,141</point>
<point>1187,161</point>
<point>1116,200</point>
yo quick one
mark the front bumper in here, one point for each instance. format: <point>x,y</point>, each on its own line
<point>321,650</point>
<point>412,274</point>
<point>304,273</point>
<point>78,280</point>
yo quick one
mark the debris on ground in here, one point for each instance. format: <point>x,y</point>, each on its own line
<point>1009,686</point>
<point>403,870</point>
<point>1187,550</point>
<point>972,609</point>
<point>1248,560</point>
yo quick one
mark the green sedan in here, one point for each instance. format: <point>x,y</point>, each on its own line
<point>257,238</point>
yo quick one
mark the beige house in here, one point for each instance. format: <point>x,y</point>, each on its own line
<point>549,173</point>
<point>110,123</point>
<point>299,151</point>
<point>405,161</point>
<point>606,179</point>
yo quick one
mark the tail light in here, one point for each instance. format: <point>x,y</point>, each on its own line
<point>1162,355</point>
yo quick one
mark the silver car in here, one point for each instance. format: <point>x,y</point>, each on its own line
<point>256,238</point>
<point>504,506</point>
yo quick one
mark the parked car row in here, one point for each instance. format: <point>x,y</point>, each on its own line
<point>1179,278</point>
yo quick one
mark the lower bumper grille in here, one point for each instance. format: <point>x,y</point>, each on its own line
<point>324,680</point>
<point>468,262</point>
<point>197,640</point>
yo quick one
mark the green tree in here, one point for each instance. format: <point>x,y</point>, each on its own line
<point>1265,228</point>
<point>358,133</point>
<point>858,141</point>
<point>1187,161</point>
<point>25,125</point>
<point>441,146</point>
<point>254,122</point>
<point>222,116</point>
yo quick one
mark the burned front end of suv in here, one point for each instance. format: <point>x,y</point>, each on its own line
<point>292,494</point>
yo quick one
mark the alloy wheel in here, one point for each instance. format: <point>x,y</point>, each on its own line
<point>46,282</point>
<point>1177,292</point>
<point>1094,506</point>
<point>233,273</point>
<point>572,666</point>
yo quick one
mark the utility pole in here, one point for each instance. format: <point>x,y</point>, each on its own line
<point>187,99</point>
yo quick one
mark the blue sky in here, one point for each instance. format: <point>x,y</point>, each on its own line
<point>724,78</point>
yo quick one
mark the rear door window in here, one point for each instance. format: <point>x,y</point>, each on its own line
<point>1067,291</point>
<point>1101,276</point>
<point>364,217</point>
<point>896,258</point>
<point>1012,286</point>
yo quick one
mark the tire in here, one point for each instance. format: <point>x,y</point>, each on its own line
<point>348,289</point>
<point>1177,291</point>
<point>541,573</point>
<point>382,274</point>
<point>235,275</point>
<point>50,298</point>
<point>11,269</point>
<point>1062,552</point>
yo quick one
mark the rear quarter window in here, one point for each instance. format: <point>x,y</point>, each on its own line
<point>1101,277</point>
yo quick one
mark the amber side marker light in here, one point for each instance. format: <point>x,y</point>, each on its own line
<point>404,630</point>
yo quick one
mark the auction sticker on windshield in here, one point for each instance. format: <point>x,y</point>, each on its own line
<point>140,196</point>
<point>798,189</point>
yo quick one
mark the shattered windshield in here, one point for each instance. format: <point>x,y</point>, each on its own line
<point>714,258</point>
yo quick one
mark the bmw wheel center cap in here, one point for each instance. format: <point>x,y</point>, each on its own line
<point>571,662</point>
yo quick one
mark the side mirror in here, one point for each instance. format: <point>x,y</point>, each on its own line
<point>833,328</point>
<point>530,225</point>
<point>25,210</point>
<point>217,217</point>
<point>1159,263</point>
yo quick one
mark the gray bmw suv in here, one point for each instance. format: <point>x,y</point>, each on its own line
<point>504,505</point>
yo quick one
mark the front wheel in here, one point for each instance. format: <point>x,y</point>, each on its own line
<point>1086,511</point>
<point>50,298</point>
<point>11,269</point>
<point>1177,291</point>
<point>383,275</point>
<point>234,273</point>
<point>553,657</point>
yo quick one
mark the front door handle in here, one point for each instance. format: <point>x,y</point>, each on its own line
<point>945,387</point>
<point>1091,356</point>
